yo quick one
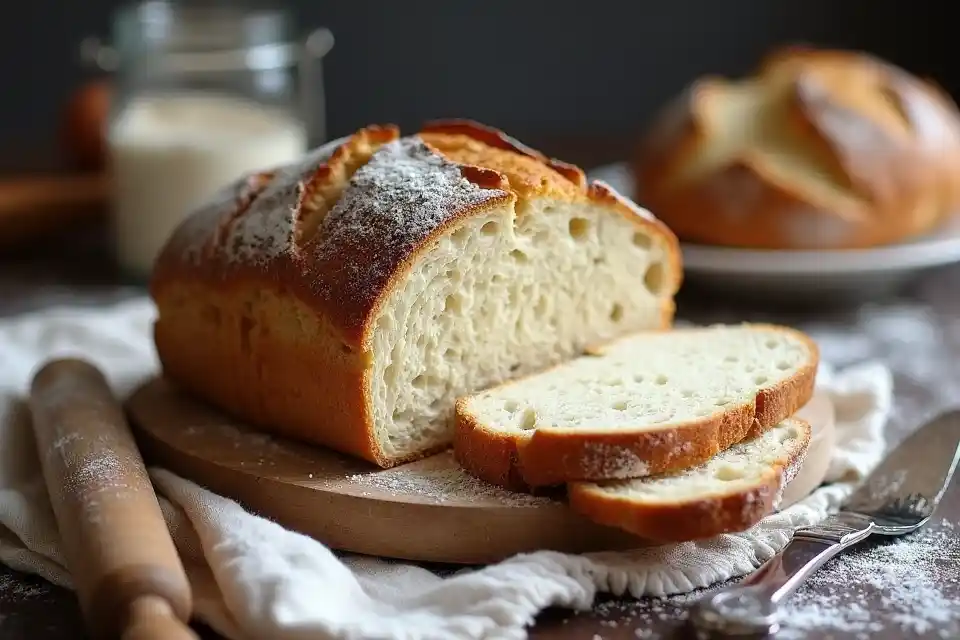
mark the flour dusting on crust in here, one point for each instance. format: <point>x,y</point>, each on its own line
<point>393,203</point>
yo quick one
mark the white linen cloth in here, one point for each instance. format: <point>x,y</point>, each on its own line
<point>252,579</point>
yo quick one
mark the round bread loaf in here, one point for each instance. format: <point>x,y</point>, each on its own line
<point>819,149</point>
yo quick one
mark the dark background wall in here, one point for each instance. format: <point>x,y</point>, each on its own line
<point>537,68</point>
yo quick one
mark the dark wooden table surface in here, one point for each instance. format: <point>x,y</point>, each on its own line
<point>916,334</point>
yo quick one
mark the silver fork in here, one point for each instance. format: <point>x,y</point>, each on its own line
<point>898,498</point>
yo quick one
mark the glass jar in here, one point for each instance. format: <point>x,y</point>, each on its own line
<point>201,95</point>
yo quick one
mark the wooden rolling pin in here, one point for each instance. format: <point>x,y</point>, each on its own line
<point>125,567</point>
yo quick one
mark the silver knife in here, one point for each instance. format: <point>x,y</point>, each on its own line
<point>898,498</point>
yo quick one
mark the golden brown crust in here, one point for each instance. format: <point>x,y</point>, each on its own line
<point>691,519</point>
<point>521,460</point>
<point>886,143</point>
<point>268,295</point>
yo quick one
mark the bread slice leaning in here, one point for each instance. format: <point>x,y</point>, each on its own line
<point>731,492</point>
<point>647,404</point>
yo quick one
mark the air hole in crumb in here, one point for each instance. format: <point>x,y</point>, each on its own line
<point>529,419</point>
<point>460,235</point>
<point>598,261</point>
<point>578,228</point>
<point>783,365</point>
<point>770,344</point>
<point>638,377</point>
<point>653,278</point>
<point>496,278</point>
<point>490,228</point>
<point>511,405</point>
<point>687,393</point>
<point>786,434</point>
<point>727,474</point>
<point>519,256</point>
<point>660,380</point>
<point>731,359</point>
<point>452,303</point>
<point>722,402</point>
<point>760,380</point>
<point>616,313</point>
<point>403,416</point>
<point>420,381</point>
<point>514,367</point>
<point>642,240</point>
<point>620,405</point>
<point>449,354</point>
<point>542,305</point>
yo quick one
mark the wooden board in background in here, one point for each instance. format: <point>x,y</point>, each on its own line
<point>429,511</point>
<point>32,206</point>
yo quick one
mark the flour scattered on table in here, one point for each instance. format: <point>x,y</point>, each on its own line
<point>17,588</point>
<point>898,585</point>
<point>901,584</point>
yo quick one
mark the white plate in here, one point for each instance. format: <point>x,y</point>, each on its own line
<point>856,273</point>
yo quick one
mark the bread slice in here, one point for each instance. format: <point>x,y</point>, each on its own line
<point>350,299</point>
<point>731,492</point>
<point>647,404</point>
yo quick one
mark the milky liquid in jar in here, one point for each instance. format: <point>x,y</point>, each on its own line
<point>170,153</point>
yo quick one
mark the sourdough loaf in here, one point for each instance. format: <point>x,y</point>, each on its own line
<point>731,492</point>
<point>350,299</point>
<point>819,149</point>
<point>642,405</point>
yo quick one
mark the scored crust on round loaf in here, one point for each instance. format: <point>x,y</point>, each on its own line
<point>730,493</point>
<point>818,150</point>
<point>642,405</point>
<point>330,300</point>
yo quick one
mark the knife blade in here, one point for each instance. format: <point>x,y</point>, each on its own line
<point>897,498</point>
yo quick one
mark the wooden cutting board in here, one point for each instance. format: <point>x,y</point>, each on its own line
<point>428,511</point>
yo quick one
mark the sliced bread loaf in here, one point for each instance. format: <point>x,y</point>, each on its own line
<point>349,299</point>
<point>643,405</point>
<point>731,492</point>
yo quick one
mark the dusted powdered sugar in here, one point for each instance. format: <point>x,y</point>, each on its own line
<point>405,190</point>
<point>266,230</point>
<point>602,460</point>
<point>266,200</point>
<point>389,207</point>
<point>392,204</point>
